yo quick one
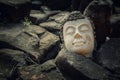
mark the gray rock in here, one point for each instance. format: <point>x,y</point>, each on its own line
<point>15,55</point>
<point>32,40</point>
<point>60,17</point>
<point>51,25</point>
<point>10,31</point>
<point>109,55</point>
<point>79,67</point>
<point>37,16</point>
<point>9,61</point>
<point>45,71</point>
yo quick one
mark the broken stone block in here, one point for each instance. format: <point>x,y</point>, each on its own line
<point>45,71</point>
<point>60,17</point>
<point>79,67</point>
<point>54,23</point>
<point>37,16</point>
<point>9,61</point>
<point>33,40</point>
<point>109,55</point>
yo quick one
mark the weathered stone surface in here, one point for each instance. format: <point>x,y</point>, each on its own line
<point>37,16</point>
<point>46,71</point>
<point>60,17</point>
<point>49,45</point>
<point>109,55</point>
<point>10,31</point>
<point>9,61</point>
<point>53,24</point>
<point>31,39</point>
<point>99,12</point>
<point>15,55</point>
<point>79,67</point>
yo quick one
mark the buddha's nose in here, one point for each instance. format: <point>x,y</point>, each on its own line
<point>77,35</point>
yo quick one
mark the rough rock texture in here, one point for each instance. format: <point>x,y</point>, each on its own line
<point>53,24</point>
<point>109,56</point>
<point>46,71</point>
<point>79,67</point>
<point>33,40</point>
<point>60,17</point>
<point>9,61</point>
<point>37,16</point>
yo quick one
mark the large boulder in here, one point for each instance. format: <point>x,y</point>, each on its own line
<point>37,16</point>
<point>9,61</point>
<point>33,40</point>
<point>109,56</point>
<point>45,71</point>
<point>79,67</point>
<point>54,23</point>
<point>60,17</point>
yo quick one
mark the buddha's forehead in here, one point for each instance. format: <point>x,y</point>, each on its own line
<point>77,22</point>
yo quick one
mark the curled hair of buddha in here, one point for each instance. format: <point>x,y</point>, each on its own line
<point>75,15</point>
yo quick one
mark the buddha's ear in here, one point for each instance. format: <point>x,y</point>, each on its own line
<point>63,46</point>
<point>61,38</point>
<point>61,35</point>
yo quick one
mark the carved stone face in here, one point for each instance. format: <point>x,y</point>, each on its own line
<point>78,36</point>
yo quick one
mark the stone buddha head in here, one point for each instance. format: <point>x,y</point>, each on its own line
<point>78,34</point>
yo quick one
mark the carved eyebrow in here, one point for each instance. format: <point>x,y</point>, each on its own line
<point>69,28</point>
<point>84,25</point>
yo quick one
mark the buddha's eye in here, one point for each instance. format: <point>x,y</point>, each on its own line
<point>84,28</point>
<point>70,30</point>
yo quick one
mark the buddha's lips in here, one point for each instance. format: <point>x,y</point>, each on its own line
<point>78,43</point>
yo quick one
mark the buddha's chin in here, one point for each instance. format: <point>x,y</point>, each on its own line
<point>82,51</point>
